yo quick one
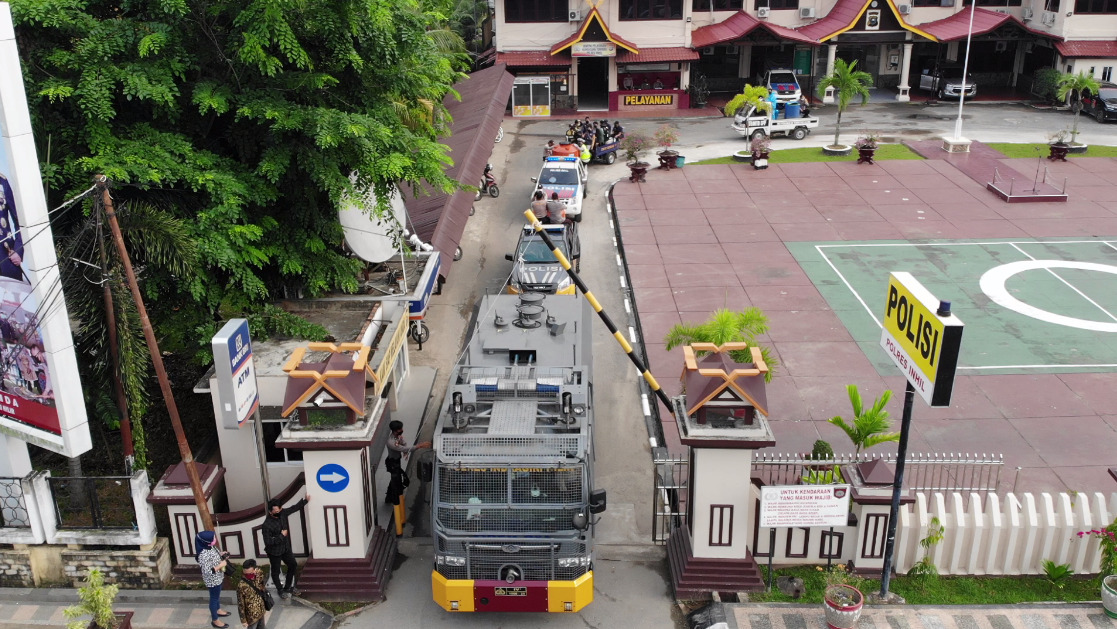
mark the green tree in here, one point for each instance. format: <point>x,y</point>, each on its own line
<point>1071,88</point>
<point>847,82</point>
<point>242,120</point>
<point>726,326</point>
<point>870,425</point>
<point>752,95</point>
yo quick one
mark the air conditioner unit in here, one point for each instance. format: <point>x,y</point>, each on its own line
<point>905,9</point>
<point>1005,11</point>
<point>762,12</point>
<point>1000,46</point>
<point>732,50</point>
<point>708,50</point>
<point>806,12</point>
<point>1026,14</point>
<point>1047,17</point>
<point>575,16</point>
<point>1028,47</point>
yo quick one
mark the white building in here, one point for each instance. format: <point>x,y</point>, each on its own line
<point>567,54</point>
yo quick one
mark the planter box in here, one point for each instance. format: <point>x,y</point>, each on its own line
<point>845,150</point>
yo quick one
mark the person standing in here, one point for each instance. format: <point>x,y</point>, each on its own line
<point>250,597</point>
<point>212,563</point>
<point>397,445</point>
<point>277,544</point>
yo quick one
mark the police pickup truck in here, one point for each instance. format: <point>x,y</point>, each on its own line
<point>567,176</point>
<point>755,124</point>
<point>534,266</point>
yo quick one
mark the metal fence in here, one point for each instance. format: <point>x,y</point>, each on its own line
<point>13,503</point>
<point>962,472</point>
<point>672,492</point>
<point>93,502</point>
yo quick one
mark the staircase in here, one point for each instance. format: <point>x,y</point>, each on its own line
<point>694,578</point>
<point>351,579</point>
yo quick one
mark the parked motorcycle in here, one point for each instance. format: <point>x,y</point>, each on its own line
<point>488,184</point>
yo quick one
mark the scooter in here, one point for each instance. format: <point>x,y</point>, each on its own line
<point>488,184</point>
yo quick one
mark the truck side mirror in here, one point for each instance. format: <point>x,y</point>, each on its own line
<point>598,501</point>
<point>534,179</point>
<point>508,257</point>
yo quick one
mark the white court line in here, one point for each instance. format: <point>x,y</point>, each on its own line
<point>991,367</point>
<point>846,282</point>
<point>1069,285</point>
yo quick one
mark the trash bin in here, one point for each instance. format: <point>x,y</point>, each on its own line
<point>679,161</point>
<point>791,110</point>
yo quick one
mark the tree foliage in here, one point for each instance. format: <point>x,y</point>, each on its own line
<point>727,326</point>
<point>1071,88</point>
<point>847,82</point>
<point>869,426</point>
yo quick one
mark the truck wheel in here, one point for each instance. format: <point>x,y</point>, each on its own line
<point>757,135</point>
<point>799,133</point>
<point>610,158</point>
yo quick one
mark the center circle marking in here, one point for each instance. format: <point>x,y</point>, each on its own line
<point>993,285</point>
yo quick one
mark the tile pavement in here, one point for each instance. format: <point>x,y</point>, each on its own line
<point>1037,616</point>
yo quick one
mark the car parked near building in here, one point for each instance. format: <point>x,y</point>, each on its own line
<point>945,81</point>
<point>1103,105</point>
<point>784,83</point>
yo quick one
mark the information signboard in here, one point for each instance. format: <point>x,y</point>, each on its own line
<point>921,339</point>
<point>788,506</point>
<point>235,373</point>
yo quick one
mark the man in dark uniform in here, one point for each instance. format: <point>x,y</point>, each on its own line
<point>277,544</point>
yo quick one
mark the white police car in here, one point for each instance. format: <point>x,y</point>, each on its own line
<point>534,266</point>
<point>567,176</point>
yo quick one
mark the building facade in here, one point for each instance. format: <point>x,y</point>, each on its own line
<point>622,55</point>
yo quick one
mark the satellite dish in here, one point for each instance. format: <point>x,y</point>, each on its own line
<point>371,239</point>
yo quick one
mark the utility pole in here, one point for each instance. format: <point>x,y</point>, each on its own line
<point>114,352</point>
<point>156,357</point>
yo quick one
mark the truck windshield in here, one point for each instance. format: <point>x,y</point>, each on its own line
<point>533,249</point>
<point>781,77</point>
<point>559,177</point>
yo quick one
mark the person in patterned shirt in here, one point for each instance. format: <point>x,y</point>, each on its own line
<point>249,598</point>
<point>212,563</point>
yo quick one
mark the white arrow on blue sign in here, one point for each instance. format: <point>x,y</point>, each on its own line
<point>332,477</point>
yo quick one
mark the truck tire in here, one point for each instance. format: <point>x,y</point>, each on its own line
<point>756,135</point>
<point>610,158</point>
<point>799,133</point>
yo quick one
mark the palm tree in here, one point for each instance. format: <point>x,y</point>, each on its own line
<point>847,82</point>
<point>1071,88</point>
<point>725,326</point>
<point>869,426</point>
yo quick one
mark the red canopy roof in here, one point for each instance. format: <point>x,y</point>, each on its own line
<point>526,58</point>
<point>654,55</point>
<point>845,15</point>
<point>1084,48</point>
<point>593,16</point>
<point>957,26</point>
<point>737,26</point>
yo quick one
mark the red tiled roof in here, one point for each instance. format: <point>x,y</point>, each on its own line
<point>844,15</point>
<point>957,26</point>
<point>593,15</point>
<point>440,218</point>
<point>654,55</point>
<point>737,26</point>
<point>525,58</point>
<point>1086,48</point>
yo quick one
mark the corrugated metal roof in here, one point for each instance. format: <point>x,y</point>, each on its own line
<point>526,58</point>
<point>1087,48</point>
<point>439,218</point>
<point>654,55</point>
<point>844,14</point>
<point>737,26</point>
<point>957,26</point>
<point>593,16</point>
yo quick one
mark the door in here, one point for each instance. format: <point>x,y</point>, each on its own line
<point>593,83</point>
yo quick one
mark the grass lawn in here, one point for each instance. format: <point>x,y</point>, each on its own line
<point>814,154</point>
<point>946,590</point>
<point>1032,150</point>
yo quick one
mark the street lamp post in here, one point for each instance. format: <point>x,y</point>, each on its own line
<point>965,74</point>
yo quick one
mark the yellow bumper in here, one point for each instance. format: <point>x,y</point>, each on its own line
<point>462,595</point>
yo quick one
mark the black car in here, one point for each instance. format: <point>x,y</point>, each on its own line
<point>1103,105</point>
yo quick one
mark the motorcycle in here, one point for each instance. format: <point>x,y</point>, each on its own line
<point>488,184</point>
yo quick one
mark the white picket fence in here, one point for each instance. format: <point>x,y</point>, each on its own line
<point>991,535</point>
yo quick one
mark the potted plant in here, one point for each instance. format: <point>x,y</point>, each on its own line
<point>665,136</point>
<point>1058,147</point>
<point>760,148</point>
<point>699,91</point>
<point>1072,88</point>
<point>866,147</point>
<point>847,82</point>
<point>842,599</point>
<point>634,145</point>
<point>96,599</point>
<point>1107,544</point>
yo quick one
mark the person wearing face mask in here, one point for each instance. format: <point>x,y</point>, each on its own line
<point>250,597</point>
<point>277,544</point>
<point>212,562</point>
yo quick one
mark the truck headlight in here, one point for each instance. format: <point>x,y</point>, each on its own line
<point>574,562</point>
<point>564,283</point>
<point>449,560</point>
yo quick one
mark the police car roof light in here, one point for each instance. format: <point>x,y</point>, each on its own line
<point>565,158</point>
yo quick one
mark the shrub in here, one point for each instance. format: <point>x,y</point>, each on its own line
<point>1045,82</point>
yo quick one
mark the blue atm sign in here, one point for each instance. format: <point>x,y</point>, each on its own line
<point>235,372</point>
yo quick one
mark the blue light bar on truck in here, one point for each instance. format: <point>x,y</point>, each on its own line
<point>563,158</point>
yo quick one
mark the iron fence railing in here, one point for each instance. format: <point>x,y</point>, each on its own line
<point>672,492</point>
<point>13,504</point>
<point>93,502</point>
<point>962,472</point>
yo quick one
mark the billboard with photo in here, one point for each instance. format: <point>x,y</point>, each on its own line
<point>41,398</point>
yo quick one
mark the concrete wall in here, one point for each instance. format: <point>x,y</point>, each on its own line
<point>720,478</point>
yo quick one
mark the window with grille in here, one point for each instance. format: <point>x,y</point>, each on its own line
<point>272,428</point>
<point>993,3</point>
<point>1095,6</point>
<point>651,9</point>
<point>1107,73</point>
<point>719,5</point>
<point>776,5</point>
<point>1051,5</point>
<point>535,10</point>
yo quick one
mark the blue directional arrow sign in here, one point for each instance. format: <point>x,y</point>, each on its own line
<point>332,477</point>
